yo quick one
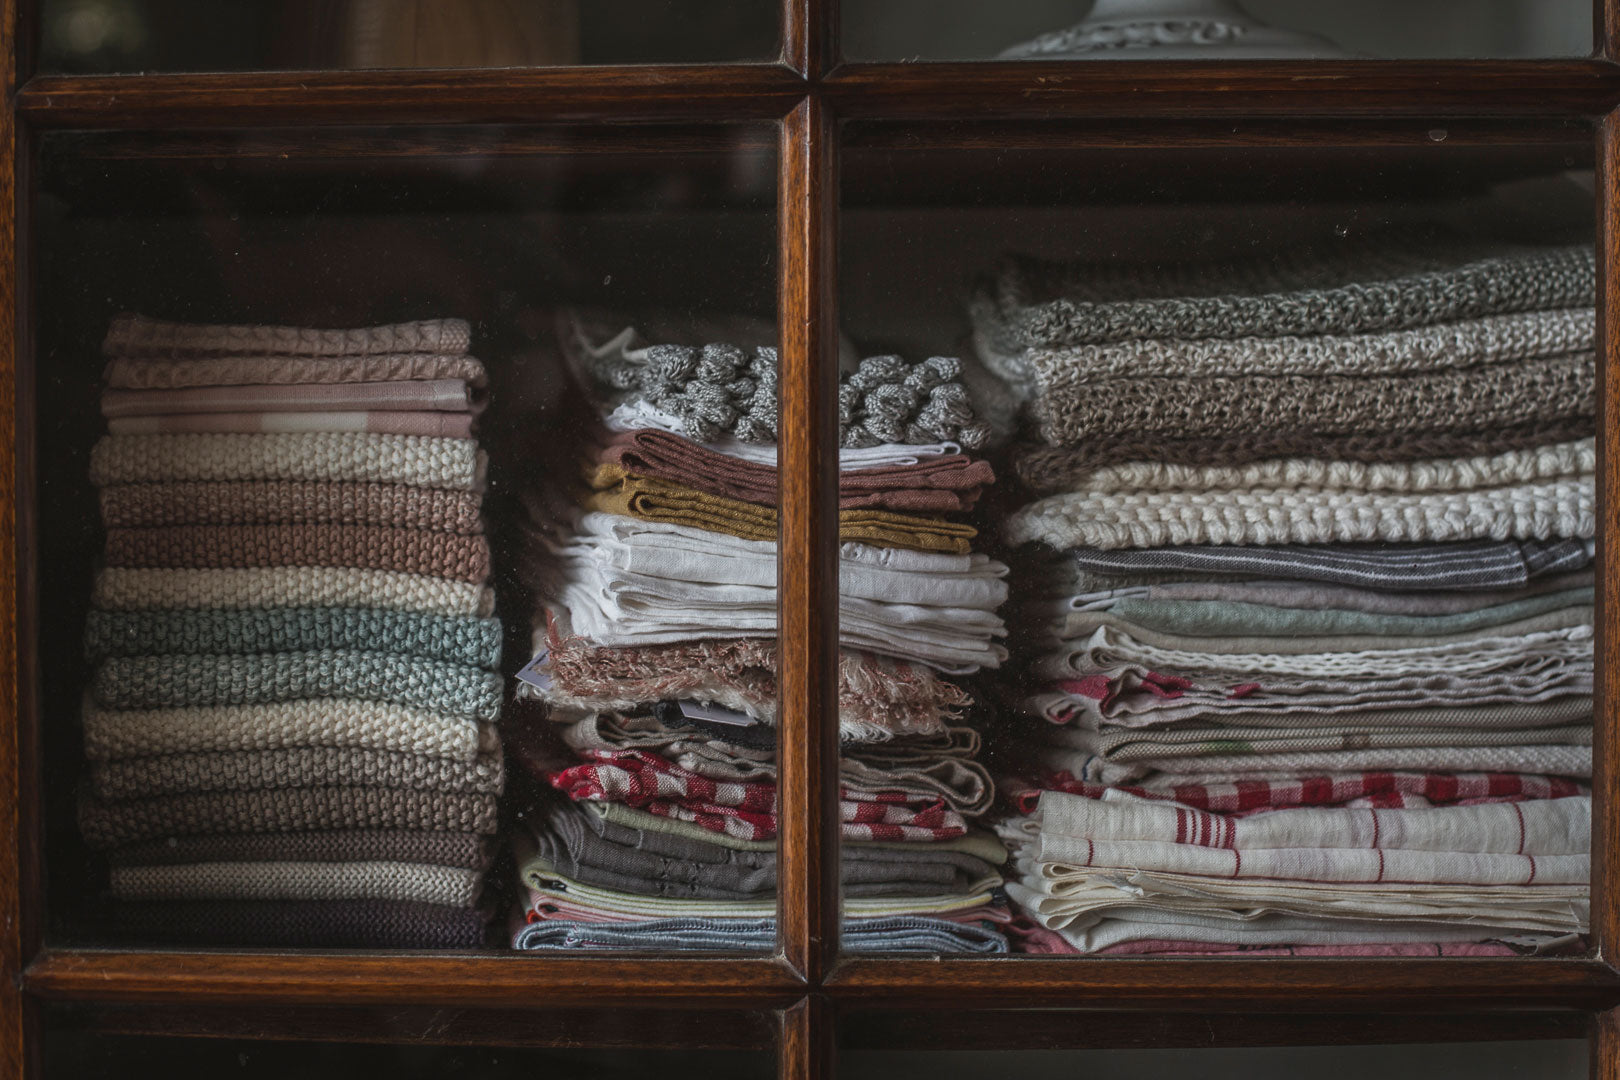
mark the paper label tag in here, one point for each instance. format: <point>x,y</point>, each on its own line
<point>716,715</point>
<point>530,673</point>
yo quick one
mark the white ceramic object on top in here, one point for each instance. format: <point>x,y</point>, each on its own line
<point>1172,30</point>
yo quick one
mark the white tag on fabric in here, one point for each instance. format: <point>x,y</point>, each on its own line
<point>530,673</point>
<point>716,715</point>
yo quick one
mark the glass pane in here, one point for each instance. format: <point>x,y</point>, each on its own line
<point>373,579</point>
<point>96,36</point>
<point>1213,29</point>
<point>1294,471</point>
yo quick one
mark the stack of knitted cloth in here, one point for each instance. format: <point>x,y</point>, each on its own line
<point>655,654</point>
<point>291,724</point>
<point>1323,598</point>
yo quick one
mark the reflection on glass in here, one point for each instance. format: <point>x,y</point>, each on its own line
<point>1299,503</point>
<point>1213,29</point>
<point>285,558</point>
<point>247,35</point>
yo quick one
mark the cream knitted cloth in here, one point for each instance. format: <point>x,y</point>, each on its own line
<point>416,460</point>
<point>121,589</point>
<point>289,371</point>
<point>420,882</point>
<point>332,722</point>
<point>137,335</point>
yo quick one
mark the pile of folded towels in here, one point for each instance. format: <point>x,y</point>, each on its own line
<point>1311,635</point>
<point>291,721</point>
<point>656,661</point>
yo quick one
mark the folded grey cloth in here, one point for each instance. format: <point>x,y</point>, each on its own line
<point>889,934</point>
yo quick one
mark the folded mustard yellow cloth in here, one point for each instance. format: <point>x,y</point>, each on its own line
<point>653,499</point>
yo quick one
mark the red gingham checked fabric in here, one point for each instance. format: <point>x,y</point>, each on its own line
<point>1382,790</point>
<point>745,811</point>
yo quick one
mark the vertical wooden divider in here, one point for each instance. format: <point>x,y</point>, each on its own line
<point>1606,745</point>
<point>1606,29</point>
<point>805,1041</point>
<point>807,572</point>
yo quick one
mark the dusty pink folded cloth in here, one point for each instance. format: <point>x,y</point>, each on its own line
<point>947,483</point>
<point>152,374</point>
<point>365,547</point>
<point>282,502</point>
<point>415,395</point>
<point>448,425</point>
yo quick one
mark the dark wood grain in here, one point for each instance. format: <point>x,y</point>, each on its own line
<point>489,96</point>
<point>403,979</point>
<point>807,1042</point>
<point>810,35</point>
<point>807,572</point>
<point>1153,89</point>
<point>1603,1055</point>
<point>1606,29</point>
<point>1605,744</point>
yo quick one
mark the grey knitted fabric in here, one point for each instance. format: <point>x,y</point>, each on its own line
<point>1367,288</point>
<point>469,850</point>
<point>303,766</point>
<point>455,639</point>
<point>155,682</point>
<point>719,390</point>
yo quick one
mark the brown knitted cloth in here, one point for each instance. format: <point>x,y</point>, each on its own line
<point>308,924</point>
<point>362,547</point>
<point>293,767</point>
<point>470,851</point>
<point>288,371</point>
<point>109,824</point>
<point>276,502</point>
<point>1055,469</point>
<point>137,335</point>
<point>950,482</point>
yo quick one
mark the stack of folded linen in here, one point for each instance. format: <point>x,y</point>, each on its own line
<point>291,724</point>
<point>1325,529</point>
<point>655,655</point>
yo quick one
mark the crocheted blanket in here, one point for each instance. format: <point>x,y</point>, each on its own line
<point>455,464</point>
<point>289,502</point>
<point>121,589</point>
<point>372,879</point>
<point>364,547</point>
<point>302,766</point>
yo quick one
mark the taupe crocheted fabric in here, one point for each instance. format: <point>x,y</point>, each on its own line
<point>1050,470</point>
<point>455,464</point>
<point>301,924</point>
<point>364,547</point>
<point>288,371</point>
<point>304,766</point>
<point>292,881</point>
<point>289,502</point>
<point>108,824</point>
<point>471,851</point>
<point>136,335</point>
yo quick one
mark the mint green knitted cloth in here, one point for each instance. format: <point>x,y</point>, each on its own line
<point>455,639</point>
<point>156,682</point>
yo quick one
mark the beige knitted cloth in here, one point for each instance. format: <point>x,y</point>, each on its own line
<point>289,371</point>
<point>414,460</point>
<point>123,589</point>
<point>328,722</point>
<point>363,547</point>
<point>289,502</point>
<point>420,882</point>
<point>302,766</point>
<point>136,335</point>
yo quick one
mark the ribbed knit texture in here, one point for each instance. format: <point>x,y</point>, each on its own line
<point>145,682</point>
<point>306,924</point>
<point>289,502</point>
<point>288,371</point>
<point>456,464</point>
<point>108,824</point>
<point>136,335</point>
<point>470,851</point>
<point>461,639</point>
<point>299,881</point>
<point>362,547</point>
<point>334,722</point>
<point>305,766</point>
<point>119,589</point>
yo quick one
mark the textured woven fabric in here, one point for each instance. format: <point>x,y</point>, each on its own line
<point>308,924</point>
<point>119,589</point>
<point>652,499</point>
<point>453,464</point>
<point>1150,745</point>
<point>463,639</point>
<point>1051,470</point>
<point>154,682</point>
<point>303,766</point>
<point>442,395</point>
<point>894,934</point>
<point>153,374</point>
<point>135,335</point>
<point>1544,510</point>
<point>289,502</point>
<point>109,824</point>
<point>941,484</point>
<point>341,723</point>
<point>370,880</point>
<point>443,425</point>
<point>362,547</point>
<point>1568,761</point>
<point>470,851</point>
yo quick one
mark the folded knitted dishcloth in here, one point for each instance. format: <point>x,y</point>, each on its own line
<point>460,639</point>
<point>455,464</point>
<point>469,851</point>
<point>361,547</point>
<point>332,722</point>
<point>430,424</point>
<point>145,682</point>
<point>302,766</point>
<point>1051,470</point>
<point>414,395</point>
<point>651,499</point>
<point>289,502</point>
<point>287,810</point>
<point>138,336</point>
<point>121,589</point>
<point>176,374</point>
<point>301,924</point>
<point>370,880</point>
<point>1386,285</point>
